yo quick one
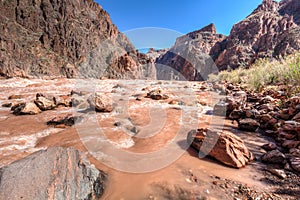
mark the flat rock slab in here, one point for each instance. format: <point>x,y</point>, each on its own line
<point>56,173</point>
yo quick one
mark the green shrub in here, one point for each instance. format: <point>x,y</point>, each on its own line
<point>265,72</point>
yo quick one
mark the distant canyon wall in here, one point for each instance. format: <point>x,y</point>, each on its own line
<point>270,31</point>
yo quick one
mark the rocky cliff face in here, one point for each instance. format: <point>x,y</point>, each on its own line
<point>68,38</point>
<point>291,8</point>
<point>188,59</point>
<point>270,31</point>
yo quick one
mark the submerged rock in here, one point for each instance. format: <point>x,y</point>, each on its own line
<point>55,173</point>
<point>15,96</point>
<point>229,148</point>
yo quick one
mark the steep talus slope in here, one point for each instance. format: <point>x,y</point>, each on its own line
<point>66,38</point>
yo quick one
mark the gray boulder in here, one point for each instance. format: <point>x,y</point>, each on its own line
<point>55,173</point>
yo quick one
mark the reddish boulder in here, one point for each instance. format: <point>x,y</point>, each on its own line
<point>44,103</point>
<point>226,147</point>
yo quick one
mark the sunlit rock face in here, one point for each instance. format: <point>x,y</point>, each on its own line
<point>269,31</point>
<point>69,38</point>
<point>189,58</point>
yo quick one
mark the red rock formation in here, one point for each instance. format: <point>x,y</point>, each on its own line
<point>226,147</point>
<point>264,33</point>
<point>291,8</point>
<point>189,57</point>
<point>269,31</point>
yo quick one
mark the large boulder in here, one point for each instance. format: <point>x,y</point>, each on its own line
<point>100,102</point>
<point>264,33</point>
<point>25,109</point>
<point>63,100</point>
<point>56,173</point>
<point>44,103</point>
<point>226,147</point>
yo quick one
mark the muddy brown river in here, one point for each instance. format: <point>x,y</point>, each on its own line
<point>146,157</point>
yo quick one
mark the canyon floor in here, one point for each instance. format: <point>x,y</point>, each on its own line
<point>141,145</point>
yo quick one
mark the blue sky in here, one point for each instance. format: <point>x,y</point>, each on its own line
<point>179,16</point>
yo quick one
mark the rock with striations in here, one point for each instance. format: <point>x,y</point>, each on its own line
<point>295,163</point>
<point>55,173</point>
<point>68,38</point>
<point>226,147</point>
<point>269,31</point>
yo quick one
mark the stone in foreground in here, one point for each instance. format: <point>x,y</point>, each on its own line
<point>226,147</point>
<point>56,173</point>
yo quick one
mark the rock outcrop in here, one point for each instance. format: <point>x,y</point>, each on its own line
<point>68,38</point>
<point>270,31</point>
<point>226,147</point>
<point>188,59</point>
<point>291,8</point>
<point>56,173</point>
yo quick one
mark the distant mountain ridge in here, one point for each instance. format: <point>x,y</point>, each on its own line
<point>271,30</point>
